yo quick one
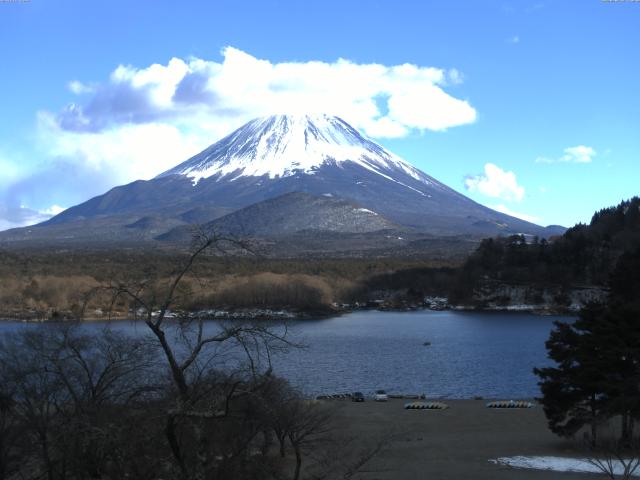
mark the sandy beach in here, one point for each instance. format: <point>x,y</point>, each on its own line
<point>456,443</point>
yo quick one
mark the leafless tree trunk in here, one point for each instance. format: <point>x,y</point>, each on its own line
<point>310,422</point>
<point>65,384</point>
<point>188,409</point>
<point>9,433</point>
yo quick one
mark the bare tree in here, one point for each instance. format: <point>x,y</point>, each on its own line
<point>10,432</point>
<point>309,430</point>
<point>191,353</point>
<point>37,396</point>
<point>615,458</point>
<point>343,457</point>
<point>311,423</point>
<point>69,391</point>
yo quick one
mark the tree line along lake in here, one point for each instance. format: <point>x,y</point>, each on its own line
<point>448,354</point>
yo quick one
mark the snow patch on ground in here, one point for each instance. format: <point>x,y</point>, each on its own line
<point>366,210</point>
<point>556,464</point>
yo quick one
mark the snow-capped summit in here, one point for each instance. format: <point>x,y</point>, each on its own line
<point>284,145</point>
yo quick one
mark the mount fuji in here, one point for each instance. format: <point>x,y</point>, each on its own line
<point>290,175</point>
<point>282,146</point>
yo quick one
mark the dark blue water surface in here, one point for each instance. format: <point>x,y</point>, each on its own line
<point>471,354</point>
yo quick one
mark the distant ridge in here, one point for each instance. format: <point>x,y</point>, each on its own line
<point>292,213</point>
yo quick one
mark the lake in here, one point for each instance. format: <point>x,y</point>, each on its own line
<point>488,354</point>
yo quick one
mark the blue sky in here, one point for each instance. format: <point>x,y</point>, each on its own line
<point>531,107</point>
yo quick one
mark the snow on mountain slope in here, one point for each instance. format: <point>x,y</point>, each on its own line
<point>284,145</point>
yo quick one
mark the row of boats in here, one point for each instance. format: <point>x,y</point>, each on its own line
<point>444,406</point>
<point>382,396</point>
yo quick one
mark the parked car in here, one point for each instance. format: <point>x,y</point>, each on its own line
<point>357,397</point>
<point>381,396</point>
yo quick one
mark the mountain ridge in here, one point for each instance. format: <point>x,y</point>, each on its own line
<point>295,212</point>
<point>270,157</point>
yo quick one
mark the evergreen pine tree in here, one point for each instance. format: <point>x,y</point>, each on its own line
<point>572,392</point>
<point>597,376</point>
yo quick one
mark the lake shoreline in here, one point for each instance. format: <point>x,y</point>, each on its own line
<point>262,314</point>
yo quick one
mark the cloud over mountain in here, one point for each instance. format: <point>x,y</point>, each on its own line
<point>142,120</point>
<point>383,101</point>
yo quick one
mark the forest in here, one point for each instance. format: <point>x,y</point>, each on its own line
<point>55,284</point>
<point>584,255</point>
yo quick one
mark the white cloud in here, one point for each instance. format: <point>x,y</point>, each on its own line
<point>14,216</point>
<point>545,160</point>
<point>53,210</point>
<point>79,88</point>
<point>522,216</point>
<point>455,76</point>
<point>496,183</point>
<point>428,107</point>
<point>6,225</point>
<point>10,171</point>
<point>130,152</point>
<point>140,121</point>
<point>513,40</point>
<point>578,154</point>
<point>242,87</point>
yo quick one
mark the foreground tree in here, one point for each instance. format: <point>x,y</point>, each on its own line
<point>573,393</point>
<point>69,394</point>
<point>9,436</point>
<point>597,376</point>
<point>208,394</point>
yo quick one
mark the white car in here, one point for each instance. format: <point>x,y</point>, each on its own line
<point>380,396</point>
